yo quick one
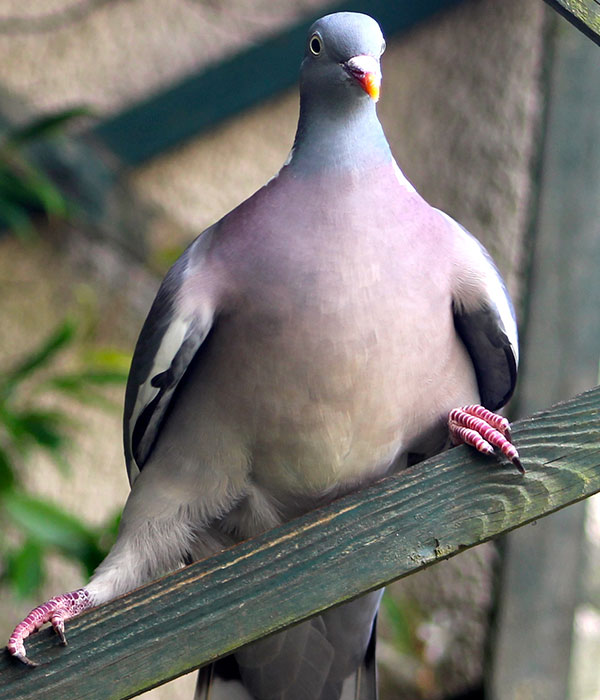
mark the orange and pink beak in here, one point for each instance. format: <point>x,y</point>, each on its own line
<point>366,71</point>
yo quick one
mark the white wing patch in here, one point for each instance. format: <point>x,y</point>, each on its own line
<point>177,348</point>
<point>170,344</point>
<point>402,179</point>
<point>497,293</point>
<point>482,282</point>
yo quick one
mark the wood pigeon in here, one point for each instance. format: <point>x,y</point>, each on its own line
<point>321,335</point>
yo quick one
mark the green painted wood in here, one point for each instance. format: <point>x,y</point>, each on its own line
<point>358,543</point>
<point>543,565</point>
<point>201,101</point>
<point>583,14</point>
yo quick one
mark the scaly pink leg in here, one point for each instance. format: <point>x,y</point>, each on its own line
<point>476,426</point>
<point>56,611</point>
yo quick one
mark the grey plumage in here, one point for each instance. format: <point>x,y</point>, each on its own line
<point>326,657</point>
<point>317,321</point>
<point>311,341</point>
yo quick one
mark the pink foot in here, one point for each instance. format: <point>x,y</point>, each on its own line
<point>483,430</point>
<point>56,611</point>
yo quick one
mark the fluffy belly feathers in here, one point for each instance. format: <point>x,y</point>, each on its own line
<point>332,397</point>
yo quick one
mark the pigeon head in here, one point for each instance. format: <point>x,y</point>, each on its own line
<point>341,59</point>
<point>339,86</point>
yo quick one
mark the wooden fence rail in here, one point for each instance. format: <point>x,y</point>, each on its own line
<point>360,542</point>
<point>583,14</point>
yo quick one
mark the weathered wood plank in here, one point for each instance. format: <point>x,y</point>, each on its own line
<point>583,14</point>
<point>358,543</point>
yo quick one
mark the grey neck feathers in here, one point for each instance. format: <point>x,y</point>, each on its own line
<point>338,137</point>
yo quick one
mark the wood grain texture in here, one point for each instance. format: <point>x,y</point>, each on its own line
<point>358,543</point>
<point>584,14</point>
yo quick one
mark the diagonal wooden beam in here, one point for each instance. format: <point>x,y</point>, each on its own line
<point>358,543</point>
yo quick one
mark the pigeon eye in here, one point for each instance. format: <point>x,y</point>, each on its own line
<point>315,45</point>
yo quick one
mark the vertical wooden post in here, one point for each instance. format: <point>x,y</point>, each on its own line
<point>561,351</point>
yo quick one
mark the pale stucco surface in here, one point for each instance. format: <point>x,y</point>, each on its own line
<point>128,49</point>
<point>460,103</point>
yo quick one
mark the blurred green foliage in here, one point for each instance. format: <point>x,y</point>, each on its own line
<point>30,526</point>
<point>26,192</point>
<point>403,617</point>
<point>33,418</point>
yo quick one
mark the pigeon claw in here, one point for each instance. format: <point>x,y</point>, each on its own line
<point>58,622</point>
<point>56,611</point>
<point>484,430</point>
<point>25,660</point>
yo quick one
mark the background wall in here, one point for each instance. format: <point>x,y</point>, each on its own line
<point>461,104</point>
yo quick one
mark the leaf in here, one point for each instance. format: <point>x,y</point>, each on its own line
<point>44,193</point>
<point>13,427</point>
<point>108,358</point>
<point>87,387</point>
<point>17,204</point>
<point>403,617</point>
<point>25,569</point>
<point>78,380</point>
<point>16,218</point>
<point>44,427</point>
<point>13,187</point>
<point>51,526</point>
<point>92,396</point>
<point>44,126</point>
<point>23,185</point>
<point>41,356</point>
<point>7,474</point>
<point>24,188</point>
